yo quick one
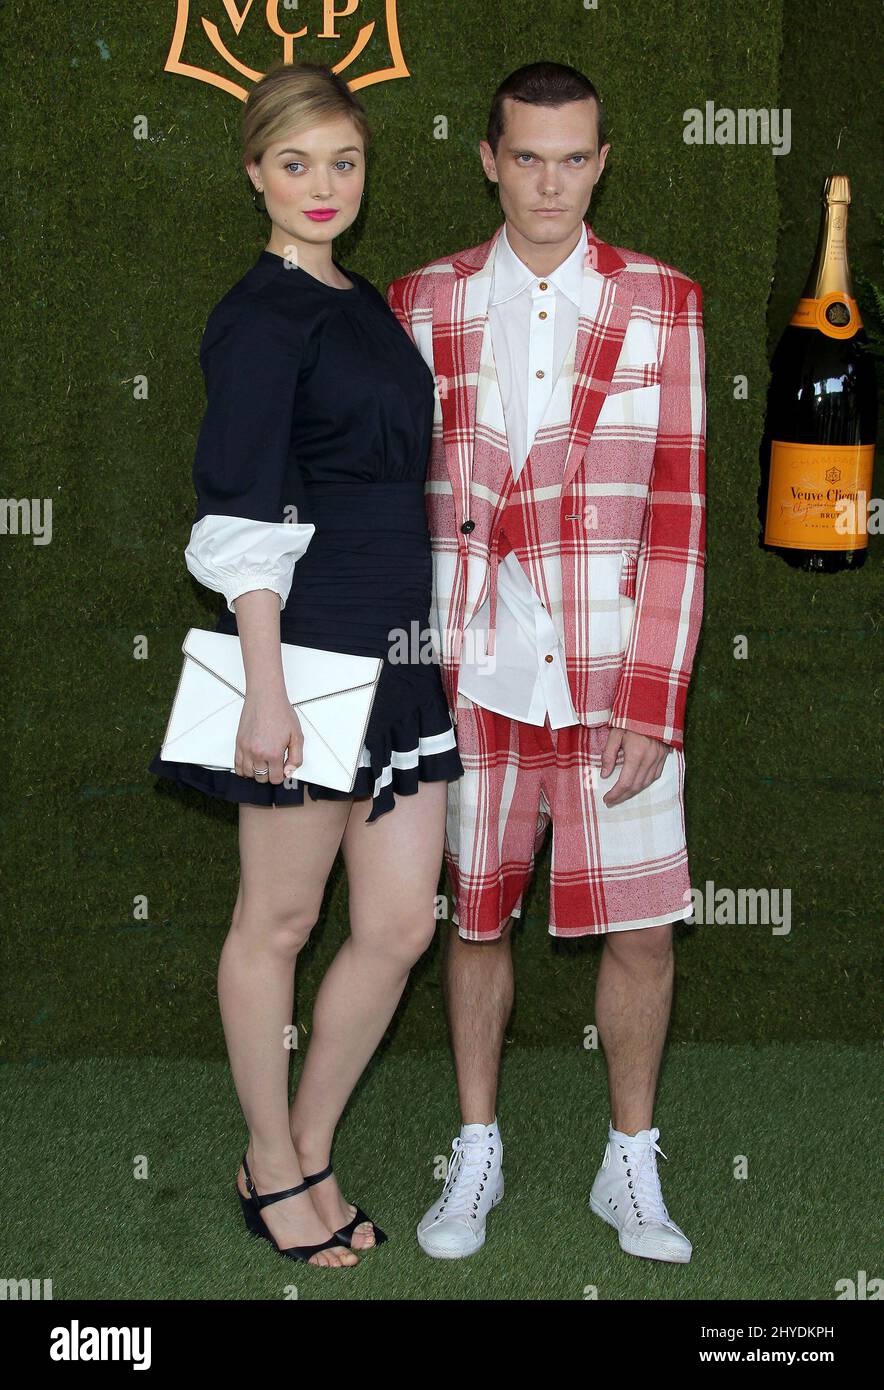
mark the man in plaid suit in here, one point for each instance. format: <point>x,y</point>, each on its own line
<point>566,504</point>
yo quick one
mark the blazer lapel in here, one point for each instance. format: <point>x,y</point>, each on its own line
<point>462,351</point>
<point>461,348</point>
<point>604,316</point>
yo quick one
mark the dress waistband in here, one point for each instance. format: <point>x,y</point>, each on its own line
<point>355,488</point>
<point>387,504</point>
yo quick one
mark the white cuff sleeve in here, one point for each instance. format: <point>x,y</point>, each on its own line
<point>234,555</point>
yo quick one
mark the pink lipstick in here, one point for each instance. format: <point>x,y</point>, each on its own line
<point>322,214</point>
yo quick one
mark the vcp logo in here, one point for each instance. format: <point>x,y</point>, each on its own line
<point>213,40</point>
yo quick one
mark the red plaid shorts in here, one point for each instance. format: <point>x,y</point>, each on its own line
<point>614,868</point>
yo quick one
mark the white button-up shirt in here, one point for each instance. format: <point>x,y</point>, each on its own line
<point>531,330</point>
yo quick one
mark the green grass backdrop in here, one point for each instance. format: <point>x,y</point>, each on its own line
<point>116,249</point>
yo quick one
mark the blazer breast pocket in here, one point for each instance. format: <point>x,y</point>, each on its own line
<point>634,376</point>
<point>632,398</point>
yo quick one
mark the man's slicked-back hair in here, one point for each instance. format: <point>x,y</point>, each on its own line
<point>542,84</point>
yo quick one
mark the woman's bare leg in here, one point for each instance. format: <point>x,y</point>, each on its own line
<point>393,868</point>
<point>286,854</point>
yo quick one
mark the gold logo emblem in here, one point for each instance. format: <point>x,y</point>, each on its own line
<point>334,24</point>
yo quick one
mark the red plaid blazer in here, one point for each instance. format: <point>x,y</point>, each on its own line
<point>628,528</point>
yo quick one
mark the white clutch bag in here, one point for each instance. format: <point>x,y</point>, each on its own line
<point>332,694</point>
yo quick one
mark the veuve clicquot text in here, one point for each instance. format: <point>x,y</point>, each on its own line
<point>819,437</point>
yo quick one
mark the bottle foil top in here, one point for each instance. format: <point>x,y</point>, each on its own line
<point>836,189</point>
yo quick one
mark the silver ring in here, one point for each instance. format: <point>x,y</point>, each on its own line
<point>261,771</point>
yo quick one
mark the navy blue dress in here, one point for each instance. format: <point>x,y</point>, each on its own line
<point>317,398</point>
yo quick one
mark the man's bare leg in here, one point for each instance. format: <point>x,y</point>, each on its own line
<point>478,988</point>
<point>477,978</point>
<point>632,1005</point>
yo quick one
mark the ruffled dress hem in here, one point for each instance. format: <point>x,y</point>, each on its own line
<point>418,747</point>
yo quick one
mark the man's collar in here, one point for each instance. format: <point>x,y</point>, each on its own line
<point>601,255</point>
<point>512,275</point>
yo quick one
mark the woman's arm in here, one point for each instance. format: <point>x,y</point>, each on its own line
<point>257,618</point>
<point>240,545</point>
<point>268,726</point>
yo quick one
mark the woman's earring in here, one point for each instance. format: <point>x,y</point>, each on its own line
<point>258,199</point>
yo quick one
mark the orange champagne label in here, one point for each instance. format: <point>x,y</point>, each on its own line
<point>817,496</point>
<point>837,315</point>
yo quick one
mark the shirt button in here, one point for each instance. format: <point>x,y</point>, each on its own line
<point>543,314</point>
<point>468,526</point>
<point>540,373</point>
<point>544,285</point>
<point>547,658</point>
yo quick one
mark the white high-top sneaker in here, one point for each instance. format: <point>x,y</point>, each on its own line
<point>627,1194</point>
<point>454,1227</point>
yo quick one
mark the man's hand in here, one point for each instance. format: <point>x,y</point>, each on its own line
<point>643,759</point>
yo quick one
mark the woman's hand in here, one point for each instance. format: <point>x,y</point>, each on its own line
<point>268,726</point>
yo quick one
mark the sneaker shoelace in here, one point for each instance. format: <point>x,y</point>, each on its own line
<point>468,1168</point>
<point>641,1170</point>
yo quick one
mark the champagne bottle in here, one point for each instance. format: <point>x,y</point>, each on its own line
<point>819,436</point>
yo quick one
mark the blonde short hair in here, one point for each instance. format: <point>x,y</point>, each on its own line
<point>295,96</point>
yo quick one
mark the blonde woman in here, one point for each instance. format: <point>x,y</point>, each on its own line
<point>318,407</point>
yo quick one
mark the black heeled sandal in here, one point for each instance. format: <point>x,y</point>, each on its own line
<point>345,1234</point>
<point>251,1209</point>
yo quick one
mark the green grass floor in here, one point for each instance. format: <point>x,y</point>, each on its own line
<point>803,1218</point>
